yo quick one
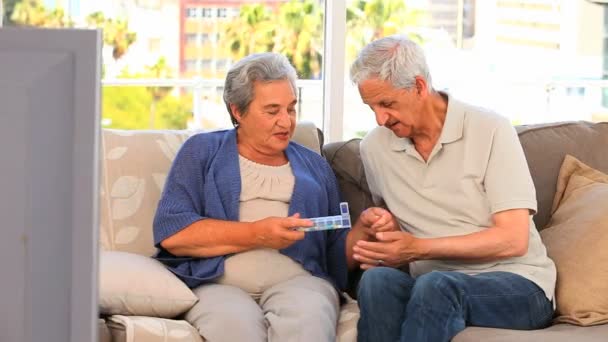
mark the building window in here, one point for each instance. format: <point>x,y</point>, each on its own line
<point>206,64</point>
<point>191,38</point>
<point>192,12</point>
<point>207,12</point>
<point>191,65</point>
<point>222,12</point>
<point>221,64</point>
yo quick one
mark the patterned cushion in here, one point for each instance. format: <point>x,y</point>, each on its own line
<point>151,329</point>
<point>347,322</point>
<point>134,167</point>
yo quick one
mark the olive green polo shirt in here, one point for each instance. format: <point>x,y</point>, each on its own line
<point>476,169</point>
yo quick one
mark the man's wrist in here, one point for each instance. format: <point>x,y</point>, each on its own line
<point>422,248</point>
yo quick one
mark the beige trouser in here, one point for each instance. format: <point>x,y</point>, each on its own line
<point>304,308</point>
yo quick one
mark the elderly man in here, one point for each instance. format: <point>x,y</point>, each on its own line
<point>456,182</point>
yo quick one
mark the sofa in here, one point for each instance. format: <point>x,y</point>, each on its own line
<point>135,164</point>
<point>134,306</point>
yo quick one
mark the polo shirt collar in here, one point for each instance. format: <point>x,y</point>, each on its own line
<point>454,121</point>
<point>452,127</point>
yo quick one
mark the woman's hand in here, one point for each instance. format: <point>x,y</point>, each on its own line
<point>278,232</point>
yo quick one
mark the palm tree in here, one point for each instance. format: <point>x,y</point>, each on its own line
<point>299,36</point>
<point>9,6</point>
<point>250,32</point>
<point>33,13</point>
<point>368,20</point>
<point>115,33</point>
<point>160,69</point>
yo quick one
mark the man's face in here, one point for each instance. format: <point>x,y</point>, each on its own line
<point>395,108</point>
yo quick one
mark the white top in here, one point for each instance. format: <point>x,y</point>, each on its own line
<point>265,191</point>
<point>476,169</point>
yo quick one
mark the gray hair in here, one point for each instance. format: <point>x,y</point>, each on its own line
<point>264,67</point>
<point>396,59</point>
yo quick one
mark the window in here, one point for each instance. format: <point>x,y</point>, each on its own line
<point>206,64</point>
<point>192,12</point>
<point>549,55</point>
<point>192,38</point>
<point>207,12</point>
<point>527,60</point>
<point>192,65</point>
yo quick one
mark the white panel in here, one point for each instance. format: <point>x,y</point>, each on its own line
<point>49,150</point>
<point>13,153</point>
<point>333,70</point>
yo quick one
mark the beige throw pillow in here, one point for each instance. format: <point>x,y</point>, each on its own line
<point>577,240</point>
<point>132,284</point>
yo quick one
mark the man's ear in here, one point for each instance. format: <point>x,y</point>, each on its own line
<point>422,88</point>
<point>235,112</point>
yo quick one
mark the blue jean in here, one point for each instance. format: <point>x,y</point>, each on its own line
<point>438,305</point>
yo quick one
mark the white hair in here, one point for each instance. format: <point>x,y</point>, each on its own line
<point>396,59</point>
<point>264,67</point>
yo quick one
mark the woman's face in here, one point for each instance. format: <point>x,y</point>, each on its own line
<point>266,128</point>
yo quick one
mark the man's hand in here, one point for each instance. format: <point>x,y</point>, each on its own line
<point>379,220</point>
<point>393,249</point>
<point>278,233</point>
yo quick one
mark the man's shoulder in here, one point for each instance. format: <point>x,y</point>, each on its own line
<point>378,136</point>
<point>482,116</point>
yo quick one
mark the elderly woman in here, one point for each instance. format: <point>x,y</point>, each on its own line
<point>225,222</point>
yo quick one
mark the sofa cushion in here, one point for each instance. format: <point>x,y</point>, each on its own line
<point>545,146</point>
<point>134,167</point>
<point>347,322</point>
<point>132,284</point>
<point>138,328</point>
<point>345,160</point>
<point>151,329</point>
<point>555,333</point>
<point>577,241</point>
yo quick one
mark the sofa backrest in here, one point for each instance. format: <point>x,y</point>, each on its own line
<point>544,146</point>
<point>134,166</point>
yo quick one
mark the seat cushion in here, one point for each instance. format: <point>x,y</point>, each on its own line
<point>555,333</point>
<point>151,329</point>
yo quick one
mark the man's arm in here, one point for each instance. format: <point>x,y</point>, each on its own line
<point>508,237</point>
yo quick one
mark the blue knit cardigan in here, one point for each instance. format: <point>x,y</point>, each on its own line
<point>205,182</point>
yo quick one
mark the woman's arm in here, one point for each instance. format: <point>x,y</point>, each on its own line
<point>211,237</point>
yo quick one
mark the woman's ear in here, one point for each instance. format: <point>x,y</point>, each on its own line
<point>235,112</point>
